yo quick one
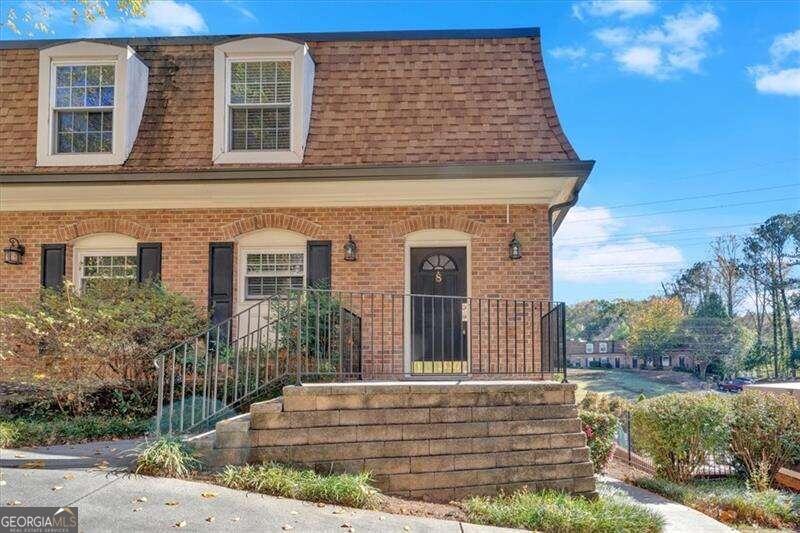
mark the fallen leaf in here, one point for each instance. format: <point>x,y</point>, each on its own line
<point>69,476</point>
<point>381,518</point>
<point>294,512</point>
<point>287,527</point>
<point>171,503</point>
<point>33,464</point>
<point>337,511</point>
<point>182,523</point>
<point>210,519</point>
<point>345,525</point>
<point>406,528</point>
<point>57,487</point>
<point>137,509</point>
<point>19,456</point>
<point>235,519</point>
<point>208,494</point>
<point>13,503</point>
<point>141,499</point>
<point>320,504</point>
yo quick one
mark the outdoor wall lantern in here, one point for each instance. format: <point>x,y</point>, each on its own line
<point>350,249</point>
<point>514,248</point>
<point>13,254</point>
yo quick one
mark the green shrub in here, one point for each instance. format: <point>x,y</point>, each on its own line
<point>604,403</point>
<point>20,431</point>
<point>731,500</point>
<point>166,457</point>
<point>765,434</point>
<point>74,345</point>
<point>279,480</point>
<point>680,431</point>
<point>601,430</point>
<point>551,511</point>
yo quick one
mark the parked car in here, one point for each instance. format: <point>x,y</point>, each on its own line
<point>734,385</point>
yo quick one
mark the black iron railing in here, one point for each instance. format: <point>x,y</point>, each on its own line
<point>315,335</point>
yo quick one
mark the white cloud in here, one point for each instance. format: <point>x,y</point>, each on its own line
<point>782,75</point>
<point>587,251</point>
<point>678,44</point>
<point>164,17</point>
<point>606,8</point>
<point>242,10</point>
<point>613,36</point>
<point>572,53</point>
<point>640,59</point>
<point>784,45</point>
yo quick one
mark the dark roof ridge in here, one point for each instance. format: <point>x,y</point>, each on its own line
<point>383,35</point>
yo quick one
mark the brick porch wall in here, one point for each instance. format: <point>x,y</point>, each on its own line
<point>380,233</point>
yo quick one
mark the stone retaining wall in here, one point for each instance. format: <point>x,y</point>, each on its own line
<point>435,440</point>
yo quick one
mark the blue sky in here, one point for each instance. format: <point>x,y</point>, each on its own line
<point>674,100</point>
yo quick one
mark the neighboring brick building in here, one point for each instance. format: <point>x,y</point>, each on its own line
<point>613,354</point>
<point>234,168</point>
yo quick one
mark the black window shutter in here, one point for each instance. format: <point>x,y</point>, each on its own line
<point>220,281</point>
<point>318,265</point>
<point>54,265</point>
<point>148,261</point>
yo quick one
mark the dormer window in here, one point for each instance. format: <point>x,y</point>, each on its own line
<point>84,108</point>
<point>91,99</point>
<point>260,105</point>
<point>262,101</point>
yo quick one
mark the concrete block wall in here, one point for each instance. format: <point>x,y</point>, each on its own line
<point>433,440</point>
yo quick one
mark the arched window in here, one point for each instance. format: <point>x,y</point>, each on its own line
<point>104,256</point>
<point>437,262</point>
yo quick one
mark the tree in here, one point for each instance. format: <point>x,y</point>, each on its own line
<point>691,286</point>
<point>775,234</point>
<point>727,266</point>
<point>754,268</point>
<point>710,334</point>
<point>37,18</point>
<point>653,327</point>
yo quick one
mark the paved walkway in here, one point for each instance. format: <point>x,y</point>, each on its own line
<point>93,477</point>
<point>679,518</point>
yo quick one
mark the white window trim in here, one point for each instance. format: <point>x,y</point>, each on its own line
<point>130,92</point>
<point>603,347</point>
<point>79,255</point>
<point>263,49</point>
<point>245,251</point>
<point>589,347</point>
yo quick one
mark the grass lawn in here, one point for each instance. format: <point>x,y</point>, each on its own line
<point>630,383</point>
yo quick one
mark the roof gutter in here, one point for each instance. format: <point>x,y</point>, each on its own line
<point>535,169</point>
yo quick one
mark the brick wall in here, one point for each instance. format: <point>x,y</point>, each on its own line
<point>380,233</point>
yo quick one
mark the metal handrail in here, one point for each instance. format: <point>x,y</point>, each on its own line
<point>309,335</point>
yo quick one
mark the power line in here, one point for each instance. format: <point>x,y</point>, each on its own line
<point>701,196</point>
<point>694,209</point>
<point>626,236</point>
<point>712,172</point>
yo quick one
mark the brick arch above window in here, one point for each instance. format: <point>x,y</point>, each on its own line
<point>441,221</point>
<point>271,220</point>
<point>104,225</point>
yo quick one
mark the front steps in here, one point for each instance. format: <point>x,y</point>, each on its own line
<point>433,440</point>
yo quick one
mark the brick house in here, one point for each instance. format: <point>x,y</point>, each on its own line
<point>378,165</point>
<point>613,354</point>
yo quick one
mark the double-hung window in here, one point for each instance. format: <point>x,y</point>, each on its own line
<point>259,98</point>
<point>83,108</point>
<point>106,266</point>
<point>271,273</point>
